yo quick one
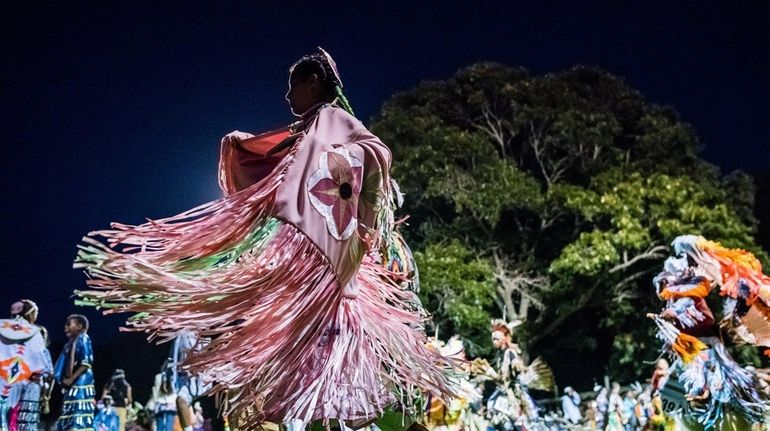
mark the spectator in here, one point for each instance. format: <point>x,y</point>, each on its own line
<point>594,417</point>
<point>602,404</point>
<point>629,413</point>
<point>570,404</point>
<point>165,405</point>
<point>615,419</point>
<point>660,375</point>
<point>120,391</point>
<point>107,419</point>
<point>199,420</point>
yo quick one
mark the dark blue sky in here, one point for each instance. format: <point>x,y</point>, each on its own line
<point>112,111</point>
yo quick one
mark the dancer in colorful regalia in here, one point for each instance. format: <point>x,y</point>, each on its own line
<point>659,419</point>
<point>74,373</point>
<point>459,413</point>
<point>35,391</point>
<point>288,273</point>
<point>187,387</point>
<point>511,405</point>
<point>705,384</point>
<point>23,358</point>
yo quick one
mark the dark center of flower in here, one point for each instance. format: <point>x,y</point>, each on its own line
<point>346,191</point>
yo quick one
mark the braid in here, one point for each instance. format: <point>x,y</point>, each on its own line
<point>343,100</point>
<point>326,76</point>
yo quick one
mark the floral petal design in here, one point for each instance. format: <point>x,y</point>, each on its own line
<point>326,191</point>
<point>342,212</point>
<point>339,168</point>
<point>358,172</point>
<point>335,189</point>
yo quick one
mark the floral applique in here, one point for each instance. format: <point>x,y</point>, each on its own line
<point>335,190</point>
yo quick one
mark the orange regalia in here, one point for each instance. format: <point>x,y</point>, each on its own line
<point>715,388</point>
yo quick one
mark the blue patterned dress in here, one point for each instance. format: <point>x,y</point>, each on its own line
<point>79,403</point>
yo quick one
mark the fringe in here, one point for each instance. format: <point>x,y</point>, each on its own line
<point>166,266</point>
<point>371,355</point>
<point>731,388</point>
<point>286,340</point>
<point>684,345</point>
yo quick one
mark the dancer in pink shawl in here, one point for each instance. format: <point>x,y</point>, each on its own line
<point>290,273</point>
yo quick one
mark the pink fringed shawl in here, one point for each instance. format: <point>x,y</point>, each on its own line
<point>286,276</point>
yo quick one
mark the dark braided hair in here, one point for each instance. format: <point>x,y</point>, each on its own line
<point>318,64</point>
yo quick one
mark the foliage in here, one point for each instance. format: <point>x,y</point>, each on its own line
<point>457,284</point>
<point>550,197</point>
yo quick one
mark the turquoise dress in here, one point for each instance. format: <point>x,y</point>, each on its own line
<point>79,403</point>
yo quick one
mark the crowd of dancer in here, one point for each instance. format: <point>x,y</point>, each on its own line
<point>508,407</point>
<point>631,408</point>
<point>29,377</point>
<point>635,407</point>
<point>28,374</point>
<point>496,397</point>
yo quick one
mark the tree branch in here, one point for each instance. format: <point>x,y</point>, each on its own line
<point>655,252</point>
<point>492,126</point>
<point>552,170</point>
<point>517,283</point>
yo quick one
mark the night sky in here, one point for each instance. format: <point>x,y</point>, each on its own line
<point>112,111</point>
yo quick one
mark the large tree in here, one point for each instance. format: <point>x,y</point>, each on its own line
<point>552,199</point>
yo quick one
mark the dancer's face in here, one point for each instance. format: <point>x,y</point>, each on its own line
<point>304,93</point>
<point>498,339</point>
<point>72,328</point>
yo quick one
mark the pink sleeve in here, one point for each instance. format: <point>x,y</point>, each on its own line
<point>247,163</point>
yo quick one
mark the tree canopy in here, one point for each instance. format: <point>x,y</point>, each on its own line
<point>552,199</point>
